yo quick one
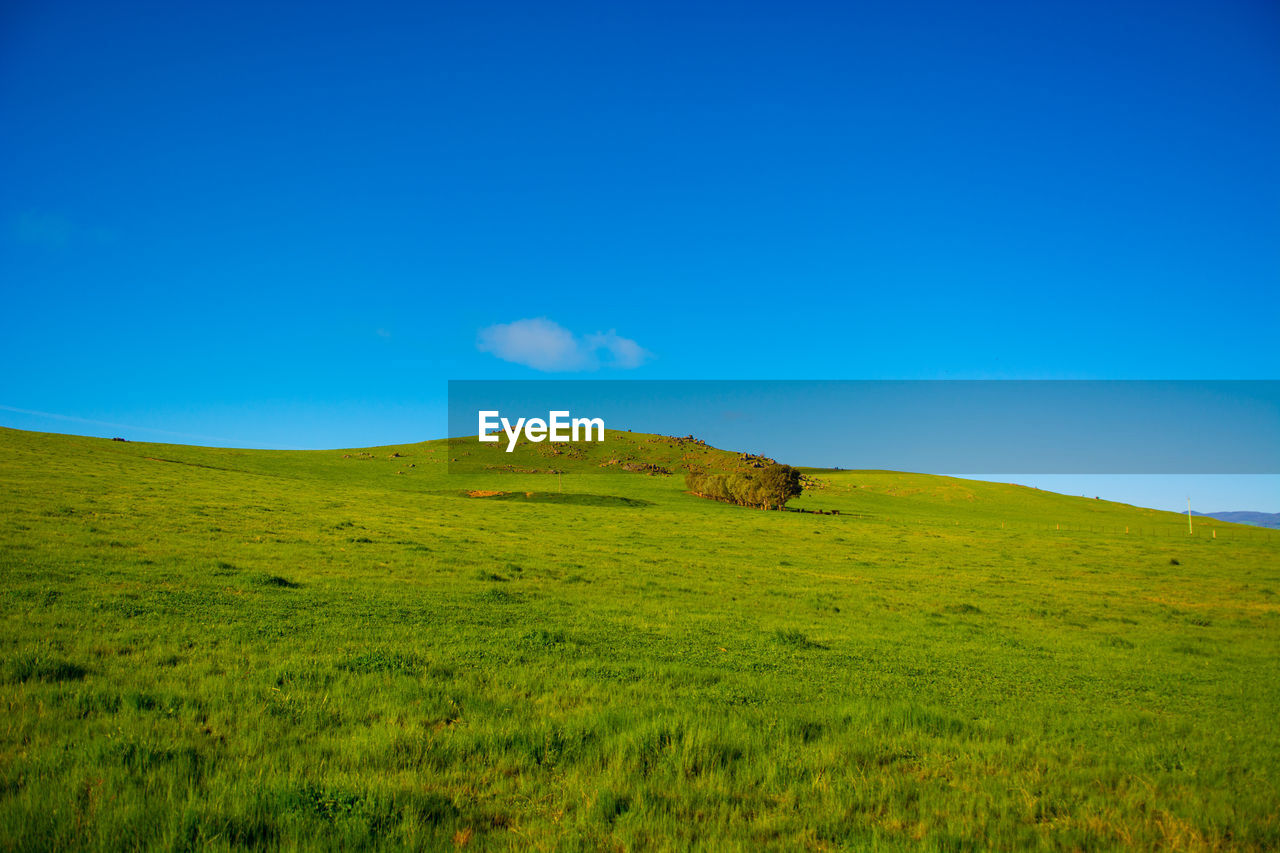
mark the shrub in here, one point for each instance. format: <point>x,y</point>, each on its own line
<point>767,489</point>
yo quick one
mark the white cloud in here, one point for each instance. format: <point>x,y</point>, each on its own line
<point>546,345</point>
<point>621,352</point>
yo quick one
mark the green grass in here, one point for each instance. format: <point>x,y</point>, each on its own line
<point>208,648</point>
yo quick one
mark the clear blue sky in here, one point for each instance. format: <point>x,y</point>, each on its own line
<point>288,225</point>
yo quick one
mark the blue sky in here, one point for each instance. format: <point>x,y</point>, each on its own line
<point>289,225</point>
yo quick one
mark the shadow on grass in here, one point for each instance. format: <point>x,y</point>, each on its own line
<point>796,639</point>
<point>35,667</point>
<point>569,498</point>
<point>265,579</point>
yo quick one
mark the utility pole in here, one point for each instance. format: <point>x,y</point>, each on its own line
<point>1189,514</point>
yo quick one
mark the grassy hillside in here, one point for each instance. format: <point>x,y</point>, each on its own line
<point>345,649</point>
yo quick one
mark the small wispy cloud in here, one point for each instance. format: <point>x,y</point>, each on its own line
<point>74,419</point>
<point>618,351</point>
<point>546,345</point>
<point>50,231</point>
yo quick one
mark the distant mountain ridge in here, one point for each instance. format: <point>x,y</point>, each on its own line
<point>1257,519</point>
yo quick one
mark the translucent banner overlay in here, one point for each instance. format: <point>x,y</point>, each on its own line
<point>944,426</point>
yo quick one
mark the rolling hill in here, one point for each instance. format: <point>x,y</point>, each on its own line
<point>361,649</point>
<point>1257,519</point>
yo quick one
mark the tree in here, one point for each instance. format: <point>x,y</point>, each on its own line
<point>779,484</point>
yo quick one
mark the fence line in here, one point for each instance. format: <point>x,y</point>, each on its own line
<point>1166,530</point>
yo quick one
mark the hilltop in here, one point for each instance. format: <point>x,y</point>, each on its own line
<point>627,464</point>
<point>355,648</point>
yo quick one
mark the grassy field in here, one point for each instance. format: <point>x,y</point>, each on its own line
<point>207,648</point>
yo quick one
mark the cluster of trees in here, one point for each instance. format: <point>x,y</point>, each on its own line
<point>768,488</point>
